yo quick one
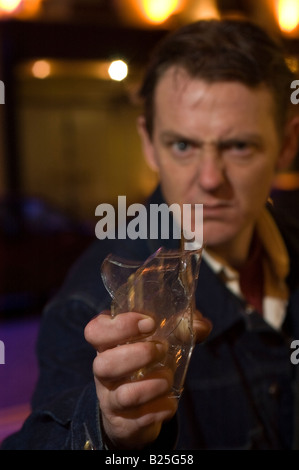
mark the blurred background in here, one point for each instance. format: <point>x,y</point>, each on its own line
<point>70,71</point>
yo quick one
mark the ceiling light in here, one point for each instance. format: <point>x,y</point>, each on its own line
<point>8,6</point>
<point>288,14</point>
<point>118,70</point>
<point>41,69</point>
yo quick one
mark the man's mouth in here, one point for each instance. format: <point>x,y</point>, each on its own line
<point>215,209</point>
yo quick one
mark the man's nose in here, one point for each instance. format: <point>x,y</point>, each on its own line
<point>210,169</point>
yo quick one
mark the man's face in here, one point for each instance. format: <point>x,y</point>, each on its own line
<point>215,144</point>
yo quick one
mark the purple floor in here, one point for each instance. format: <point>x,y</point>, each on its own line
<point>19,372</point>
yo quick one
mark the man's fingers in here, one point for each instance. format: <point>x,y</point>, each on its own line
<point>129,395</point>
<point>202,327</point>
<point>126,359</point>
<point>104,331</point>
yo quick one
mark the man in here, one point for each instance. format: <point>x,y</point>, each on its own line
<point>216,127</point>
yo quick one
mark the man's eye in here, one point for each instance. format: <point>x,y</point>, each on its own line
<point>236,144</point>
<point>181,146</point>
<point>238,147</point>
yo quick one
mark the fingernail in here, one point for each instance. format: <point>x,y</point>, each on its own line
<point>146,325</point>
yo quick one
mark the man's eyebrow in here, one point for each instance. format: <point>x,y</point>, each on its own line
<point>172,135</point>
<point>253,139</point>
<point>230,137</point>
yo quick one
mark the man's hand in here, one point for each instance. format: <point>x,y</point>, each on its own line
<point>132,410</point>
<point>202,327</point>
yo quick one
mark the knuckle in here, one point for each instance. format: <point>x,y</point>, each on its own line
<point>126,396</point>
<point>88,332</point>
<point>101,366</point>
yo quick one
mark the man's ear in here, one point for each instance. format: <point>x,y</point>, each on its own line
<point>290,144</point>
<point>147,144</point>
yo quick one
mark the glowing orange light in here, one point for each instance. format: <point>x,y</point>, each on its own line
<point>41,69</point>
<point>288,14</point>
<point>206,9</point>
<point>178,356</point>
<point>9,5</point>
<point>158,11</point>
<point>30,7</point>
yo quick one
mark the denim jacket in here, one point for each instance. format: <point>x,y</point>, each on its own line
<point>241,389</point>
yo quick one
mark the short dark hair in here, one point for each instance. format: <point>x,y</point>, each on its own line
<point>221,50</point>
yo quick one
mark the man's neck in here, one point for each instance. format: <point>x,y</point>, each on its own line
<point>235,252</point>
